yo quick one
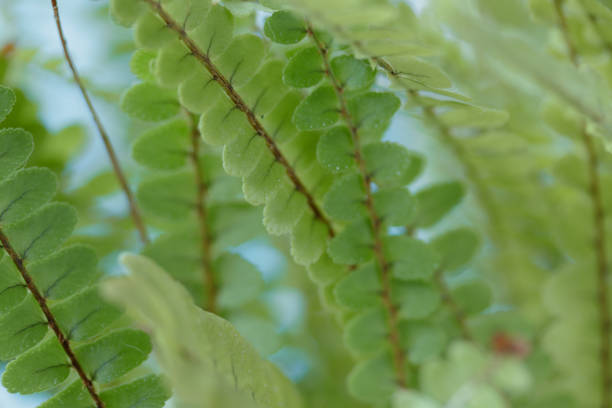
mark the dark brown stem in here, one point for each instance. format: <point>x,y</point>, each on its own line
<point>134,210</point>
<point>202,212</point>
<point>399,357</point>
<point>599,240</point>
<point>239,103</point>
<point>42,302</point>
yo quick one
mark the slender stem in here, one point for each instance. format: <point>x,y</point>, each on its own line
<point>239,104</point>
<point>394,337</point>
<point>134,210</point>
<point>51,321</point>
<point>571,49</point>
<point>456,310</point>
<point>599,241</point>
<point>202,212</point>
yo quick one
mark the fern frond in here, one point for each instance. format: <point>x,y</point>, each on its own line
<point>201,353</point>
<point>54,328</point>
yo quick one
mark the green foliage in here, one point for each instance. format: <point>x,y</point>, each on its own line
<point>201,353</point>
<point>51,315</point>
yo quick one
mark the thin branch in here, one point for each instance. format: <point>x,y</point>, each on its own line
<point>599,241</point>
<point>239,104</point>
<point>134,210</point>
<point>456,310</point>
<point>208,280</point>
<point>399,357</point>
<point>51,321</point>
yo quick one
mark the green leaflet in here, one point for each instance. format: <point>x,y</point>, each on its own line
<point>35,230</point>
<point>126,12</point>
<point>396,207</point>
<point>284,210</point>
<point>372,113</point>
<point>42,233</point>
<point>223,123</point>
<point>325,271</point>
<point>170,197</point>
<point>7,101</point>
<point>216,32</point>
<point>359,288</point>
<point>437,200</point>
<point>456,248</point>
<point>391,165</point>
<point>367,332</point>
<point>115,354</point>
<point>141,64</point>
<point>318,110</point>
<point>417,300</point>
<point>24,192</point>
<point>472,296</point>
<point>285,28</point>
<point>352,74</point>
<point>164,147</point>
<point>149,102</point>
<point>241,156</point>
<point>201,353</point>
<point>353,245</point>
<point>425,341</point>
<point>174,64</point>
<point>373,380</point>
<point>410,258</point>
<point>308,240</point>
<point>16,145</point>
<point>305,69</point>
<point>335,149</point>
<point>345,199</point>
<point>242,58</point>
<point>199,92</point>
<point>263,183</point>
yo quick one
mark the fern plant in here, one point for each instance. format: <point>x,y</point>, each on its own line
<point>461,263</point>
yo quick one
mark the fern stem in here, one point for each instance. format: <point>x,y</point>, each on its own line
<point>394,337</point>
<point>599,240</point>
<point>456,310</point>
<point>202,212</point>
<point>134,210</point>
<point>51,321</point>
<point>239,103</point>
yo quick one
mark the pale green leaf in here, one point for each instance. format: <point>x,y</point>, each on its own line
<point>242,59</point>
<point>416,300</point>
<point>305,69</point>
<point>163,147</point>
<point>285,28</point>
<point>372,113</point>
<point>345,199</point>
<point>12,287</point>
<point>174,64</point>
<point>335,149</point>
<point>416,73</point>
<point>241,156</point>
<point>202,354</point>
<point>126,12</point>
<point>472,296</point>
<point>38,369</point>
<point>473,116</point>
<point>318,111</point>
<point>223,123</point>
<point>21,328</point>
<point>24,193</point>
<point>151,32</point>
<point>170,197</point>
<point>216,31</point>
<point>391,164</point>
<point>436,201</point>
<point>396,207</point>
<point>367,332</point>
<point>16,145</point>
<point>149,102</point>
<point>410,258</point>
<point>279,121</point>
<point>284,210</point>
<point>360,288</point>
<point>325,271</point>
<point>456,248</point>
<point>7,101</point>
<point>264,91</point>
<point>373,380</point>
<point>141,64</point>
<point>263,183</point>
<point>353,245</point>
<point>200,92</point>
<point>308,239</point>
<point>351,73</point>
<point>42,233</point>
<point>424,340</point>
<point>113,355</point>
